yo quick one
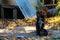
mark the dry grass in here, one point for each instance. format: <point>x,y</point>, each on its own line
<point>50,22</point>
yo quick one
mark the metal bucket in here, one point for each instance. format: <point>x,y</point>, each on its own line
<point>10,2</point>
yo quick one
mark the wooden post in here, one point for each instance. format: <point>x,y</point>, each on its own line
<point>53,7</point>
<point>53,3</point>
<point>2,13</point>
<point>15,13</point>
<point>43,1</point>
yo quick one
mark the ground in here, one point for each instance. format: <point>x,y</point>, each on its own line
<point>20,28</point>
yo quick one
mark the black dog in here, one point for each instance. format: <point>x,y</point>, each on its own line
<point>41,15</point>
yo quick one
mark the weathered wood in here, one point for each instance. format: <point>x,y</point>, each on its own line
<point>14,13</point>
<point>11,7</point>
<point>10,2</point>
<point>2,13</point>
<point>8,6</point>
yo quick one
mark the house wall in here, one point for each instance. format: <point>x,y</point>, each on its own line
<point>12,2</point>
<point>34,3</point>
<point>0,1</point>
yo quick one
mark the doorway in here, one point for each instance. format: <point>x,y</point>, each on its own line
<point>8,13</point>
